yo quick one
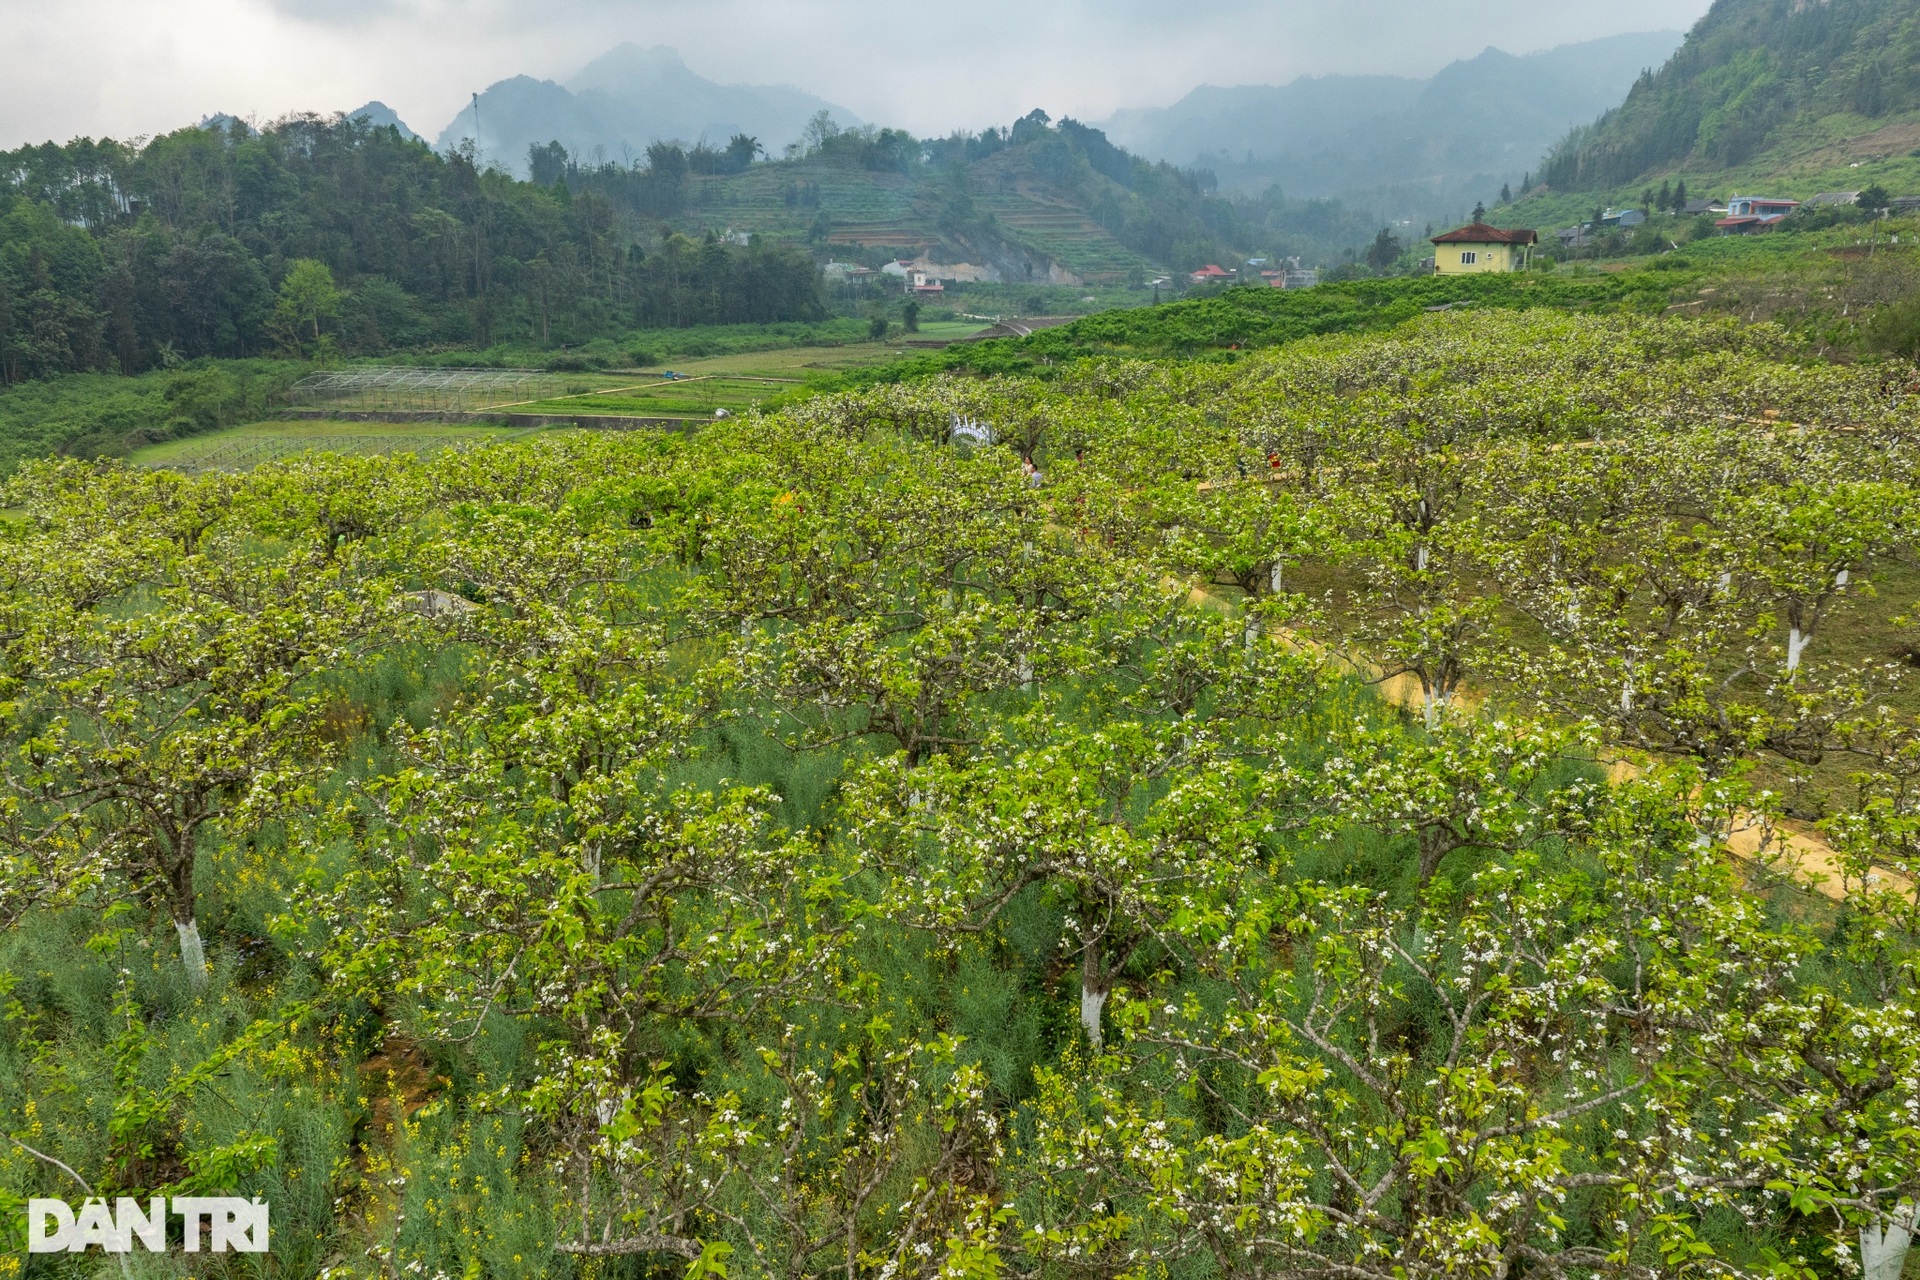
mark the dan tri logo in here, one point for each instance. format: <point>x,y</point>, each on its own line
<point>228,1223</point>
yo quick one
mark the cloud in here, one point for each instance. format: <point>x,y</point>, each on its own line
<point>128,67</point>
<point>339,12</point>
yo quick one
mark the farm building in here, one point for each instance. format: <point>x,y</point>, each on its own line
<point>1747,214</point>
<point>1478,247</point>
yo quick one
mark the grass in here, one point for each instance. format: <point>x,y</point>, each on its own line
<point>1833,153</point>
<point>242,448</point>
<point>735,382</point>
<point>695,395</point>
<point>803,364</point>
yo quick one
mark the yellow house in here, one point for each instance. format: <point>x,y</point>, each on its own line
<point>1479,247</point>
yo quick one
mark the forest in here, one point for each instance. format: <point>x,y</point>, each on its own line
<point>242,244</point>
<point>1427,802</point>
<point>332,238</point>
<point>1748,75</point>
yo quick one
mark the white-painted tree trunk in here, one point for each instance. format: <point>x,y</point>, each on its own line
<point>1091,1003</point>
<point>1024,670</point>
<point>1797,641</point>
<point>1883,1254</point>
<point>193,953</point>
<point>1436,702</point>
<point>1251,636</point>
<point>1420,559</point>
<point>1273,578</point>
<point>1093,994</point>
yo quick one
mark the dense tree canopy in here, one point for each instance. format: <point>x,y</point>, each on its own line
<point>113,256</point>
<point>1290,831</point>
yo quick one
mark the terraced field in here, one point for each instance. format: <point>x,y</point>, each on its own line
<point>865,208</point>
<point>894,211</point>
<point>1067,235</point>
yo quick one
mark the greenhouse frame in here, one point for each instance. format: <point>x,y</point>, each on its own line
<point>375,387</point>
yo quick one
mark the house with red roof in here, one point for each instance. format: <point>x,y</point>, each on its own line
<point>1210,274</point>
<point>1747,214</point>
<point>1478,247</point>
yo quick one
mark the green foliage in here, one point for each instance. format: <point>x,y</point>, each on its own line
<point>1895,329</point>
<point>821,845</point>
<point>1237,319</point>
<point>105,415</point>
<point>1747,74</point>
<point>136,258</point>
<point>307,298</point>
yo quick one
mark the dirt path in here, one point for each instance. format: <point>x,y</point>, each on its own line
<point>1794,849</point>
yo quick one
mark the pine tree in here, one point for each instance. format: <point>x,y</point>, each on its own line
<point>1506,194</point>
<point>1666,197</point>
<point>1680,196</point>
<point>1479,212</point>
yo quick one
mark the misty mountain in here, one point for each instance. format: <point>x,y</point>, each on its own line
<point>1839,78</point>
<point>379,115</point>
<point>1402,144</point>
<point>624,100</point>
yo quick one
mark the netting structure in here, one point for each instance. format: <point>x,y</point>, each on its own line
<point>373,387</point>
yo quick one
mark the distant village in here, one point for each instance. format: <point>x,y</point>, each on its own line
<point>1475,248</point>
<point>1479,247</point>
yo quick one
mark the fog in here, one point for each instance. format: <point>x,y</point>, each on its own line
<point>133,67</point>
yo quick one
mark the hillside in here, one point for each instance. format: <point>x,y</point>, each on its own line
<point>1224,327</point>
<point>1806,87</point>
<point>623,101</point>
<point>1036,202</point>
<point>1413,148</point>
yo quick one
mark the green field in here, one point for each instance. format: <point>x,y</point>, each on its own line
<point>699,395</point>
<point>242,448</point>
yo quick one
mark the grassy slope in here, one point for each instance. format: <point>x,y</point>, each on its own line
<point>105,414</point>
<point>1214,327</point>
<point>1839,153</point>
<point>900,212</point>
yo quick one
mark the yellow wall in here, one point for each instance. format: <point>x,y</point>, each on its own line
<point>1488,257</point>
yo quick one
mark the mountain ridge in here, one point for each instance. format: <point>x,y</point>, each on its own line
<point>623,101</point>
<point>1449,139</point>
<point>380,115</point>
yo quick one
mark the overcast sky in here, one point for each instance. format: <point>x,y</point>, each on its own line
<point>132,67</point>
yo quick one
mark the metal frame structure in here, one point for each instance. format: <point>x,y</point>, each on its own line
<point>423,388</point>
